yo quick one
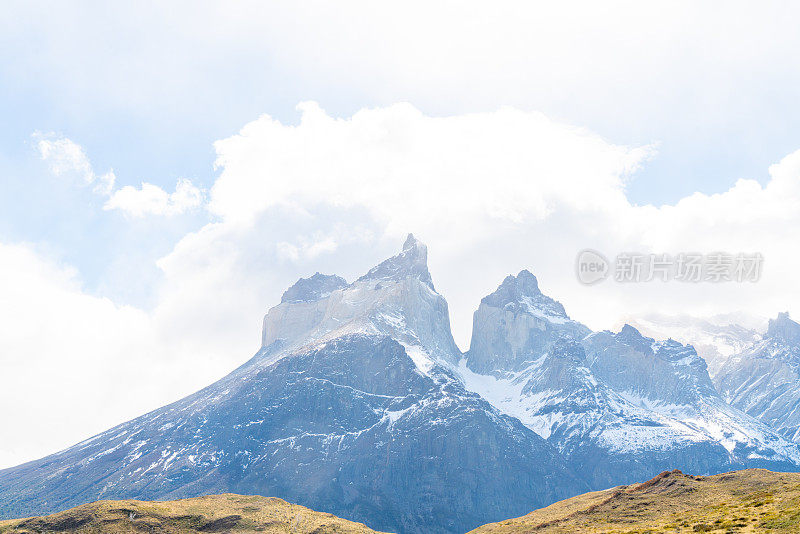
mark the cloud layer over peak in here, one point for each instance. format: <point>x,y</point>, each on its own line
<point>408,169</point>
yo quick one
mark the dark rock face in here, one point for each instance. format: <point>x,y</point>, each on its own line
<point>665,386</point>
<point>631,337</point>
<point>664,371</point>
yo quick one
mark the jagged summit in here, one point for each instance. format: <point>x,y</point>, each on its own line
<point>516,325</point>
<point>630,336</point>
<point>665,370</point>
<point>628,331</point>
<point>782,327</point>
<point>411,242</point>
<point>522,293</point>
<point>716,338</point>
<point>313,288</point>
<point>395,298</point>
<point>514,288</point>
<point>412,261</point>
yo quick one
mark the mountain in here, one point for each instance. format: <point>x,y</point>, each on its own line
<point>213,513</point>
<point>351,406</point>
<point>753,501</point>
<point>619,406</point>
<point>764,379</point>
<point>715,338</point>
<point>359,403</point>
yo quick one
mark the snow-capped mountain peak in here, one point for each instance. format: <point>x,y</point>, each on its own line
<point>515,287</point>
<point>522,293</point>
<point>412,261</point>
<point>715,338</point>
<point>351,406</point>
<point>359,386</point>
<point>395,298</point>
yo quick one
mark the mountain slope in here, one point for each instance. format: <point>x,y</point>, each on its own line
<point>214,513</point>
<point>764,379</point>
<point>350,407</point>
<point>619,406</point>
<point>754,500</point>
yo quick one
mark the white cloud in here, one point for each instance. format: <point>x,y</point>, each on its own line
<point>325,242</point>
<point>619,64</point>
<point>292,252</point>
<point>152,200</point>
<point>80,363</point>
<point>67,158</point>
<point>409,169</point>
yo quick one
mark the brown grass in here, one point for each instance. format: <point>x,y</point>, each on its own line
<point>217,513</point>
<point>750,501</point>
<point>754,500</point>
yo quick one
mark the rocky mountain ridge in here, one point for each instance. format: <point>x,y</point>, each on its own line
<point>619,406</point>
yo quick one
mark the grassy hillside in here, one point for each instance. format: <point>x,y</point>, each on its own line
<point>754,500</point>
<point>217,513</point>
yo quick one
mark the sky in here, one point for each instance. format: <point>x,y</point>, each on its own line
<point>168,169</point>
